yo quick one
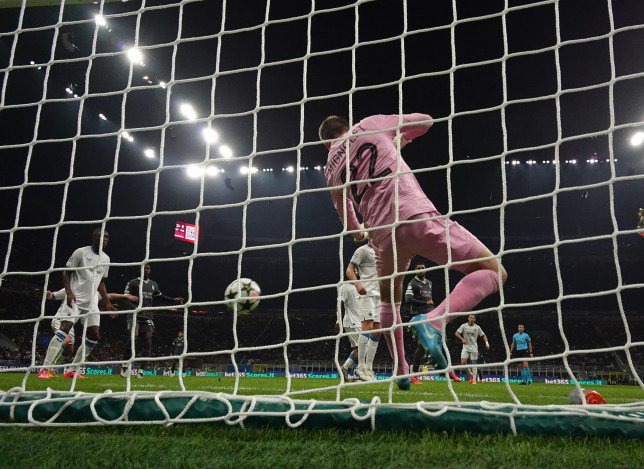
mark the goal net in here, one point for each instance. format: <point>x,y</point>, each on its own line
<point>186,132</point>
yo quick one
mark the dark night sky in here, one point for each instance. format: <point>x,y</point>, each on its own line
<point>230,99</point>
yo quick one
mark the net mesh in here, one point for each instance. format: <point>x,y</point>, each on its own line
<point>257,89</point>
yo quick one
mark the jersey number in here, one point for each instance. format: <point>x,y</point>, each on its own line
<point>373,156</point>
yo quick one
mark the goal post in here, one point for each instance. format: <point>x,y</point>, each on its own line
<point>199,118</point>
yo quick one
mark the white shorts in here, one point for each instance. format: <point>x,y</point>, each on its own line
<point>369,308</point>
<point>91,317</point>
<point>353,338</point>
<point>471,355</point>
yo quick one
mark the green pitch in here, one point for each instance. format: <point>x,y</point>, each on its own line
<point>208,445</point>
<point>540,394</point>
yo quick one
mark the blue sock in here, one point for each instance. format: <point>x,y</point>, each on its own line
<point>527,375</point>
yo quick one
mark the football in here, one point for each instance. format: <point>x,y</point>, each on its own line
<point>246,292</point>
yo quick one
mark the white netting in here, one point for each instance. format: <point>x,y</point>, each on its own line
<point>261,79</point>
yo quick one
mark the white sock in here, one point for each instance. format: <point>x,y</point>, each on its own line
<point>88,346</point>
<point>363,340</point>
<point>372,348</point>
<point>349,363</point>
<point>55,348</point>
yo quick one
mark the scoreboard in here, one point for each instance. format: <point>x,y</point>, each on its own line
<point>186,232</point>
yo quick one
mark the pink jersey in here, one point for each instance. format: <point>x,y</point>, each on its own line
<point>374,156</point>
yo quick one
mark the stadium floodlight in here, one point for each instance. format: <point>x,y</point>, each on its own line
<point>194,171</point>
<point>212,171</point>
<point>32,62</point>
<point>135,55</point>
<point>637,139</point>
<point>289,169</point>
<point>210,135</point>
<point>126,135</point>
<point>188,111</point>
<point>244,170</point>
<point>102,116</point>
<point>226,151</point>
<point>69,90</point>
<point>573,161</point>
<point>149,152</point>
<point>100,20</point>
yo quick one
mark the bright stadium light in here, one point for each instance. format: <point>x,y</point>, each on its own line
<point>145,77</point>
<point>100,20</point>
<point>289,169</point>
<point>244,170</point>
<point>69,90</point>
<point>188,111</point>
<point>194,171</point>
<point>225,151</point>
<point>32,62</point>
<point>135,55</point>
<point>637,139</point>
<point>212,171</point>
<point>573,161</point>
<point>126,135</point>
<point>149,152</point>
<point>210,135</point>
<point>102,116</point>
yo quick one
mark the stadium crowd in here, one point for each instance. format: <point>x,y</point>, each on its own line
<point>264,332</point>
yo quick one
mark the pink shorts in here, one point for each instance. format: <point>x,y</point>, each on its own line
<point>427,238</point>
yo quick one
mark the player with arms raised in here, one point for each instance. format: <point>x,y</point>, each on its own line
<point>363,267</point>
<point>91,266</point>
<point>382,189</point>
<point>469,334</point>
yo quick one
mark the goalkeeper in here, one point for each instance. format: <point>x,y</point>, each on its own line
<point>384,191</point>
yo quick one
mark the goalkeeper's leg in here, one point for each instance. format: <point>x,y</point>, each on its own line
<point>385,267</point>
<point>429,238</point>
<point>432,341</point>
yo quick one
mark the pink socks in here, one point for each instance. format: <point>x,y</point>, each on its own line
<point>469,292</point>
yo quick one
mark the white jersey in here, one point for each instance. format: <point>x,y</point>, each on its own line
<point>350,298</point>
<point>84,282</point>
<point>471,335</point>
<point>364,258</point>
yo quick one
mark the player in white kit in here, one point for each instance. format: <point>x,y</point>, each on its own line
<point>351,323</point>
<point>363,267</point>
<point>469,334</point>
<point>82,287</point>
<point>60,316</point>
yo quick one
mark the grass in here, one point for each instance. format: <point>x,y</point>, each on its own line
<point>538,394</point>
<point>215,446</point>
